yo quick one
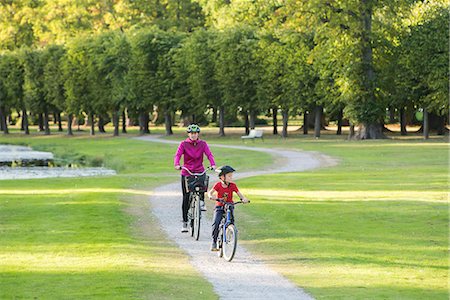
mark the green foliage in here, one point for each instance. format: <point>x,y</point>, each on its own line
<point>112,56</point>
<point>34,83</point>
<point>11,81</point>
<point>237,68</point>
<point>54,76</point>
<point>424,60</point>
<point>195,59</point>
<point>78,85</point>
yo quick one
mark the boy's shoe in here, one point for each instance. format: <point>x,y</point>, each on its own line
<point>202,205</point>
<point>214,246</point>
<point>185,227</point>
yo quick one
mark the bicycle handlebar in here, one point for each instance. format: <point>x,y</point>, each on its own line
<point>231,203</point>
<point>196,174</point>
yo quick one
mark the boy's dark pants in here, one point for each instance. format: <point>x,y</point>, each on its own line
<point>218,213</point>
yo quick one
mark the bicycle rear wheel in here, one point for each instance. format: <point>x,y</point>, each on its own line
<point>229,247</point>
<point>197,217</point>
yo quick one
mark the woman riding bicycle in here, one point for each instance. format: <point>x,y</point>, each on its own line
<point>223,190</point>
<point>192,149</point>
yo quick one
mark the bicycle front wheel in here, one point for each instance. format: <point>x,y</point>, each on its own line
<point>197,217</point>
<point>191,214</point>
<point>229,246</point>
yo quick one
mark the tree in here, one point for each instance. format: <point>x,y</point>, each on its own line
<point>54,92</point>
<point>236,71</point>
<point>171,77</point>
<point>196,56</point>
<point>78,85</point>
<point>147,45</point>
<point>111,55</point>
<point>4,95</point>
<point>34,85</point>
<point>424,61</point>
<point>16,23</point>
<point>15,82</point>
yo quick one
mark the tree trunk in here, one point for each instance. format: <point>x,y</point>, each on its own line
<point>116,121</point>
<point>146,122</point>
<point>40,122</point>
<point>351,133</point>
<point>339,122</point>
<point>246,123</point>
<point>168,122</point>
<point>426,124</point>
<point>305,122</point>
<point>437,123</point>
<point>143,122</point>
<point>124,122</point>
<point>2,127</point>
<point>46,122</point>
<point>275,120</point>
<point>58,118</point>
<point>221,120</point>
<point>370,131</point>
<point>214,115</point>
<point>69,124</point>
<point>26,128</point>
<point>317,120</point>
<point>4,124</point>
<point>92,124</point>
<point>370,127</point>
<point>252,119</point>
<point>403,121</point>
<point>285,114</point>
<point>101,124</point>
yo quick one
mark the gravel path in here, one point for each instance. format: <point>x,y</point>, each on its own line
<point>245,277</point>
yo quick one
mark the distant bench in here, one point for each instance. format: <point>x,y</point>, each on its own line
<point>254,134</point>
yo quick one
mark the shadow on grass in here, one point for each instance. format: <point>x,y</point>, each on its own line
<point>378,292</point>
<point>116,284</point>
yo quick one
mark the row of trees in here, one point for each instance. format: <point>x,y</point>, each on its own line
<point>353,61</point>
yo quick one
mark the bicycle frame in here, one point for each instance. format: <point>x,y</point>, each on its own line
<point>194,212</point>
<point>226,227</point>
<point>227,219</point>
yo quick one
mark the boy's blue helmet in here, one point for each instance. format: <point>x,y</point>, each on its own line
<point>225,170</point>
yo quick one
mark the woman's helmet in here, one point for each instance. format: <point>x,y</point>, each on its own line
<point>193,128</point>
<point>224,170</point>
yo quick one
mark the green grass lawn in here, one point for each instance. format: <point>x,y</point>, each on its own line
<point>78,238</point>
<point>374,227</point>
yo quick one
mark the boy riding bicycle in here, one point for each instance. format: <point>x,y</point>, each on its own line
<point>223,189</point>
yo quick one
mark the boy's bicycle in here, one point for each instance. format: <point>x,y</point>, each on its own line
<point>228,233</point>
<point>196,184</point>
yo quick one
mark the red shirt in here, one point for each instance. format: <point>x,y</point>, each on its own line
<point>225,193</point>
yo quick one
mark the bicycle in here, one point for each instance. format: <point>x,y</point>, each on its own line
<point>228,233</point>
<point>196,184</point>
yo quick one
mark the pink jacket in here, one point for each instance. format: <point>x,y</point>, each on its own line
<point>193,155</point>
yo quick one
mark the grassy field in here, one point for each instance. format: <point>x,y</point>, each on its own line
<point>374,227</point>
<point>78,238</point>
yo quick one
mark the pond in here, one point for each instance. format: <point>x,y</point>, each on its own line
<point>19,162</point>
